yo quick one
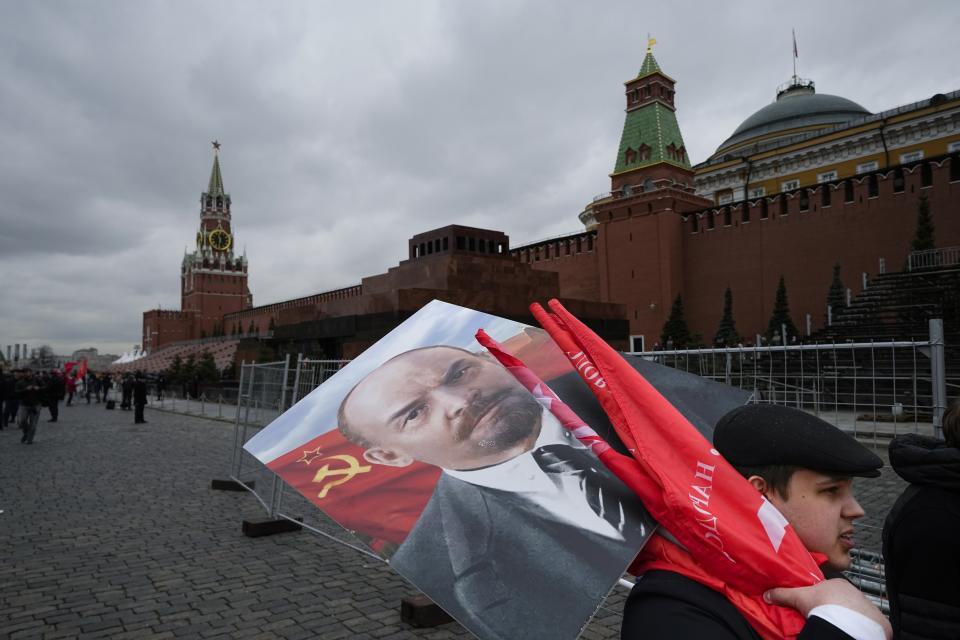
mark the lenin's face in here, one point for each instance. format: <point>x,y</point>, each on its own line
<point>443,406</point>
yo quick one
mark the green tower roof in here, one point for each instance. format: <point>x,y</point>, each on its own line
<point>652,133</point>
<point>649,65</point>
<point>215,188</point>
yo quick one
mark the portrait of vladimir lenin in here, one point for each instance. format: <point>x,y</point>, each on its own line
<point>526,531</point>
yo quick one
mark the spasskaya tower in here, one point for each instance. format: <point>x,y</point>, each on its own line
<point>213,278</point>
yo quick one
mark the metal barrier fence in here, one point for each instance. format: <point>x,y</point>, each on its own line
<point>872,389</point>
<point>266,391</point>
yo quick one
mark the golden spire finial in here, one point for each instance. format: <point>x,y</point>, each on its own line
<point>650,42</point>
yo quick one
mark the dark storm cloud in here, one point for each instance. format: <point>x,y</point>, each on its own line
<point>349,127</point>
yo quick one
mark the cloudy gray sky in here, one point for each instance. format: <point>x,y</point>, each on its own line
<point>348,127</point>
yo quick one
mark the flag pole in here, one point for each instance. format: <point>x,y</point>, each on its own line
<point>794,33</point>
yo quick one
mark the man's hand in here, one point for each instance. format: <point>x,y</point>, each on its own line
<point>837,592</point>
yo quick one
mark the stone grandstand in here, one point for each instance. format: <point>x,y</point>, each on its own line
<point>223,352</point>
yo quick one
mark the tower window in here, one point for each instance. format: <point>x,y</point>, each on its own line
<point>589,243</point>
<point>472,245</point>
<point>446,244</point>
<point>694,223</point>
<point>630,156</point>
<point>461,243</point>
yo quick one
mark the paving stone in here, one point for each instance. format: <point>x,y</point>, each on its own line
<point>111,530</point>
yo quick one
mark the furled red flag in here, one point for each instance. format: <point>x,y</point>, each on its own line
<point>82,369</point>
<point>736,542</point>
<point>794,32</point>
<point>332,473</point>
<point>68,367</point>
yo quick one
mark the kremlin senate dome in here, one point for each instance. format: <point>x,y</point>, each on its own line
<point>798,109</point>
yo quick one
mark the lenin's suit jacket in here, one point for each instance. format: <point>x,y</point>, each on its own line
<point>502,567</point>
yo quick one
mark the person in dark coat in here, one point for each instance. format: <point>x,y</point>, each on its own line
<point>30,388</point>
<point>126,392</point>
<point>139,393</point>
<point>920,547</point>
<point>11,405</point>
<point>3,398</point>
<point>56,390</point>
<point>805,468</point>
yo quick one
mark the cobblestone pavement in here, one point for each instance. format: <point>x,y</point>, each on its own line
<point>110,530</point>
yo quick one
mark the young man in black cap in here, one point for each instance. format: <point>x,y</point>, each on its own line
<point>805,468</point>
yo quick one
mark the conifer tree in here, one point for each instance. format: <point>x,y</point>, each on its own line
<point>836,295</point>
<point>781,314</point>
<point>727,335</point>
<point>923,236</point>
<point>175,372</point>
<point>675,329</point>
<point>207,368</point>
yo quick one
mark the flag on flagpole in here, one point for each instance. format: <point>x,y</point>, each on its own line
<point>735,542</point>
<point>795,54</point>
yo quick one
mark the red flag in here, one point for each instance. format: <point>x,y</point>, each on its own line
<point>379,503</point>
<point>82,369</point>
<point>795,55</point>
<point>739,543</point>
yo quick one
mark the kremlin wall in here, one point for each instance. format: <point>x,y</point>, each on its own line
<point>806,182</point>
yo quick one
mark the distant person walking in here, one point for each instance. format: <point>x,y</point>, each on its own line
<point>126,392</point>
<point>3,398</point>
<point>139,398</point>
<point>30,389</point>
<point>56,390</point>
<point>12,403</point>
<point>71,383</point>
<point>105,385</point>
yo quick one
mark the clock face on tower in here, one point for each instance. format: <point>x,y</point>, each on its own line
<point>220,240</point>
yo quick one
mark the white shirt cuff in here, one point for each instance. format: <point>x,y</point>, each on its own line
<point>851,622</point>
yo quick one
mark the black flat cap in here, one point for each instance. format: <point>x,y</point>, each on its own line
<point>758,435</point>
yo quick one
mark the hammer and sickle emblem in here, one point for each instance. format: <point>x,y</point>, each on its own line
<point>345,474</point>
